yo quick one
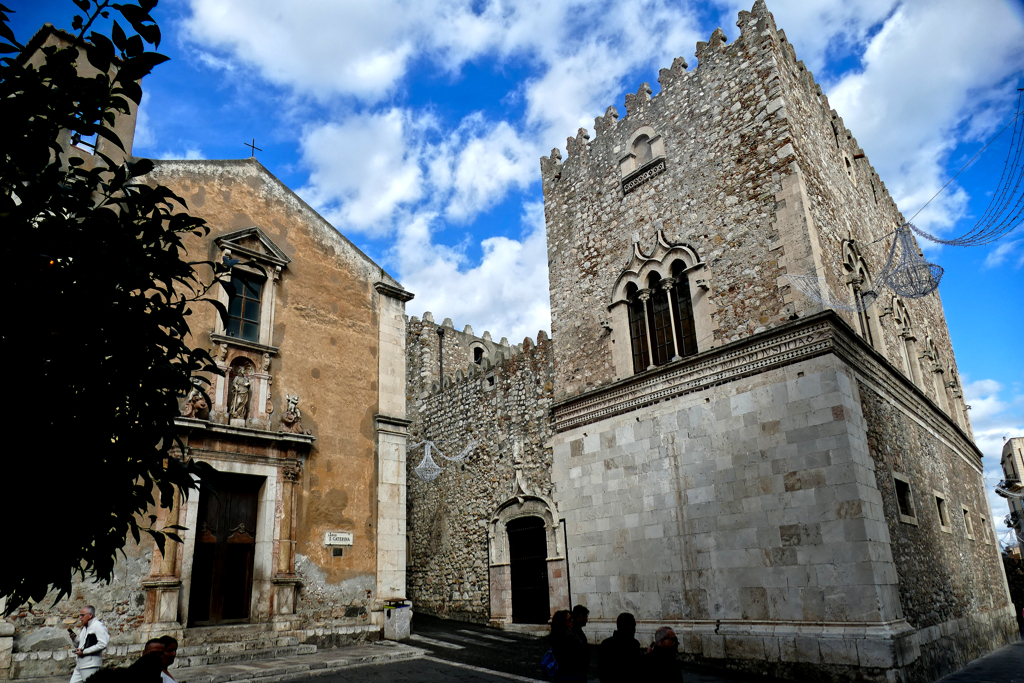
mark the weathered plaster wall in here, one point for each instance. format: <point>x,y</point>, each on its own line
<point>326,328</point>
<point>448,517</point>
<point>41,643</point>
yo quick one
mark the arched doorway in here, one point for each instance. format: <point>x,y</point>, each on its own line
<point>529,576</point>
<point>528,554</point>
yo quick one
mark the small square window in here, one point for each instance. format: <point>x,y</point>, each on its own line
<point>942,511</point>
<point>967,523</point>
<point>904,499</point>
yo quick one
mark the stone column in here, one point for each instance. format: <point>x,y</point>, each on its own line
<point>673,313</point>
<point>285,581</point>
<point>390,608</point>
<point>163,584</point>
<point>645,295</point>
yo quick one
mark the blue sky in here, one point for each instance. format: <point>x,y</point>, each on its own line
<point>416,128</point>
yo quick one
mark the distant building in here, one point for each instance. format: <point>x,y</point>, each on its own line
<point>1012,486</point>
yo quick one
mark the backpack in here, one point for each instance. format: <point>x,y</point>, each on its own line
<point>549,664</point>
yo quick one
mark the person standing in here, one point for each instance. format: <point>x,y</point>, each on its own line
<point>660,662</point>
<point>170,652</point>
<point>568,651</point>
<point>92,641</point>
<point>580,617</point>
<point>619,658</point>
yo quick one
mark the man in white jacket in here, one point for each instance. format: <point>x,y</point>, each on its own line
<point>92,641</point>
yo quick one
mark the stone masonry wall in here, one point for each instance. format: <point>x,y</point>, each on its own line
<point>492,404</point>
<point>746,124</point>
<point>724,167</point>
<point>945,576</point>
<point>848,200</point>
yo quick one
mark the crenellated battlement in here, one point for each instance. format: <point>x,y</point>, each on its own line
<point>466,355</point>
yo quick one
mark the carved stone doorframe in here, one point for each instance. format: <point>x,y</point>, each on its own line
<point>524,504</point>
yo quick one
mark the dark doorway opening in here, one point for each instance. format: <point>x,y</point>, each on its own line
<point>225,550</point>
<point>528,552</point>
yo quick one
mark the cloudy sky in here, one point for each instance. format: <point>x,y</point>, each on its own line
<point>415,127</point>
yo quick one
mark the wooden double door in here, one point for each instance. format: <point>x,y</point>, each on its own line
<point>225,550</point>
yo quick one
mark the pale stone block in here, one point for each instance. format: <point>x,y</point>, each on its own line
<point>838,651</point>
<point>807,650</point>
<point>876,653</point>
<point>713,647</point>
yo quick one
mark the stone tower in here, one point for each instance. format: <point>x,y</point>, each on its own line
<point>794,487</point>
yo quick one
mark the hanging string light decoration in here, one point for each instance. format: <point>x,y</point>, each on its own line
<point>817,289</point>
<point>428,470</point>
<point>1005,211</point>
<point>906,272</point>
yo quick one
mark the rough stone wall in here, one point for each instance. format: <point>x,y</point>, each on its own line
<point>747,121</point>
<point>448,517</point>
<point>944,577</point>
<point>724,166</point>
<point>41,644</point>
<point>848,200</point>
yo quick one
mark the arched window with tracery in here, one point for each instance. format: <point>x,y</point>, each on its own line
<point>686,331</point>
<point>937,371</point>
<point>907,341</point>
<point>637,329</point>
<point>858,279</point>
<point>653,299</point>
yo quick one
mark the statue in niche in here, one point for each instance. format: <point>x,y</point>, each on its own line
<point>241,388</point>
<point>195,404</point>
<point>291,421</point>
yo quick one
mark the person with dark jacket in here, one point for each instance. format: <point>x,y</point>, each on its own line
<point>567,649</point>
<point>660,662</point>
<point>619,659</point>
<point>580,616</point>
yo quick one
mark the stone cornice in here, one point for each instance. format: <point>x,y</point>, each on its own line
<point>394,292</point>
<point>243,343</point>
<point>816,335</point>
<point>244,433</point>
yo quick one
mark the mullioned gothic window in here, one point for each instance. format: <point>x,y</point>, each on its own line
<point>654,294</point>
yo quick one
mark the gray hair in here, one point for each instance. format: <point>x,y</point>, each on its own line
<point>662,633</point>
<point>91,610</point>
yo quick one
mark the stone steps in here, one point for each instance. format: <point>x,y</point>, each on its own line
<point>286,669</point>
<point>233,655</point>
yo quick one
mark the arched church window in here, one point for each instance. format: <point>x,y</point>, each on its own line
<point>686,331</point>
<point>642,150</point>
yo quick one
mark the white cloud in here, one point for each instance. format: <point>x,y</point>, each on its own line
<point>374,167</point>
<point>506,293</point>
<point>923,78</point>
<point>994,418</point>
<point>145,137</point>
<point>998,256</point>
<point>364,169</point>
<point>188,153</point>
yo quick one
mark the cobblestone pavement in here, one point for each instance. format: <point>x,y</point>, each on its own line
<point>1005,665</point>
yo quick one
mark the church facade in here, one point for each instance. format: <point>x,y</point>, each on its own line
<point>302,545</point>
<point>788,480</point>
